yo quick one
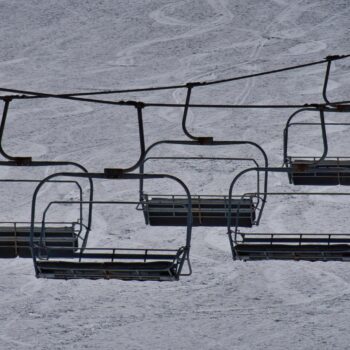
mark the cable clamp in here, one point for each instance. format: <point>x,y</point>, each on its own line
<point>195,83</point>
<point>22,161</point>
<point>113,173</point>
<point>7,98</point>
<point>334,57</point>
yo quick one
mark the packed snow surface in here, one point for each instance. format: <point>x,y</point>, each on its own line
<point>75,46</point>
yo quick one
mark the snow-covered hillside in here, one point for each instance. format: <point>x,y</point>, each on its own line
<point>73,46</point>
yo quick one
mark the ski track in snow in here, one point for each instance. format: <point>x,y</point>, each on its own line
<point>51,46</point>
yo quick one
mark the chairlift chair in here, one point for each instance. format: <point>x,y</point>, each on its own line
<point>287,246</point>
<point>207,210</point>
<point>110,263</point>
<point>15,236</point>
<point>318,171</point>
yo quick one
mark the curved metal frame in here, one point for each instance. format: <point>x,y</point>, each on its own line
<point>322,123</point>
<point>205,139</point>
<point>271,169</point>
<point>199,143</point>
<point>323,131</point>
<point>7,101</point>
<point>139,106</point>
<point>76,183</point>
<point>61,163</point>
<point>116,175</point>
<point>329,59</point>
<point>212,143</point>
<point>28,160</point>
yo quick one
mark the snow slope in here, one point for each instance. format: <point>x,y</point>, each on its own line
<point>64,46</point>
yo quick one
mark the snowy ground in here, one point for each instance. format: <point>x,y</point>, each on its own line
<point>64,46</point>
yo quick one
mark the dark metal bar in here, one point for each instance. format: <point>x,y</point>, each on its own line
<point>141,130</point>
<point>202,139</point>
<point>20,160</point>
<point>202,158</point>
<point>55,181</point>
<point>184,117</point>
<point>228,106</point>
<point>325,85</point>
<point>303,194</point>
<point>323,131</point>
<point>139,108</point>
<point>306,123</point>
<point>324,138</point>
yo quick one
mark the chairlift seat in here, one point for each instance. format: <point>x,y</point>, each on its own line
<point>310,252</point>
<point>205,211</point>
<point>156,271</point>
<point>297,240</point>
<point>304,173</point>
<point>15,241</point>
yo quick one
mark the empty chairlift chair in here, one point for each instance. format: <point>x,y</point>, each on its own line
<point>207,210</point>
<point>318,171</point>
<point>15,235</point>
<point>111,263</point>
<point>288,246</point>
